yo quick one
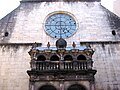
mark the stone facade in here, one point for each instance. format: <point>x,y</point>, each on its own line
<point>25,25</point>
<point>116,8</point>
<point>13,66</point>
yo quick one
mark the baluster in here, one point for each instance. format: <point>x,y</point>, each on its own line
<point>40,66</point>
<point>54,66</point>
<point>67,66</point>
<point>51,66</point>
<point>76,66</point>
<point>57,66</point>
<point>83,65</point>
<point>48,65</point>
<point>64,66</point>
<point>71,65</point>
<point>86,65</point>
<point>80,65</point>
<point>36,66</point>
<point>44,65</point>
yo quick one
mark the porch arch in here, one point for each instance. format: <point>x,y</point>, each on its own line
<point>47,87</point>
<point>76,87</point>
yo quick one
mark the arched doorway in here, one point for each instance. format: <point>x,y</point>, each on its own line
<point>76,87</point>
<point>47,87</point>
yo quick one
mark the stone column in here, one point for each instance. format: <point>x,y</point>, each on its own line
<point>31,85</point>
<point>92,85</point>
<point>61,85</point>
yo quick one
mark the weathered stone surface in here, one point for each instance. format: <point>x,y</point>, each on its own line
<point>26,25</point>
<point>15,62</point>
<point>106,61</point>
<point>13,65</point>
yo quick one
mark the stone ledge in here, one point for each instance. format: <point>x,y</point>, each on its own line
<point>24,1</point>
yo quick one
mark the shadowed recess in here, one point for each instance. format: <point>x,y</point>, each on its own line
<point>47,87</point>
<point>41,58</point>
<point>76,87</point>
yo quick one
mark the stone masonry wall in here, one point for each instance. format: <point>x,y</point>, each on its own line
<point>89,16</point>
<point>29,18</point>
<point>26,25</point>
<point>15,61</point>
<point>106,61</point>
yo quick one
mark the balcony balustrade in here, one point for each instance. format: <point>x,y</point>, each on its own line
<point>61,65</point>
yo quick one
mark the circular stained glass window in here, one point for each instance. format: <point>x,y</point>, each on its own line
<point>60,25</point>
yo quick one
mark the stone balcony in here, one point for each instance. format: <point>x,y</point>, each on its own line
<point>55,68</point>
<point>61,65</point>
<point>61,62</point>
